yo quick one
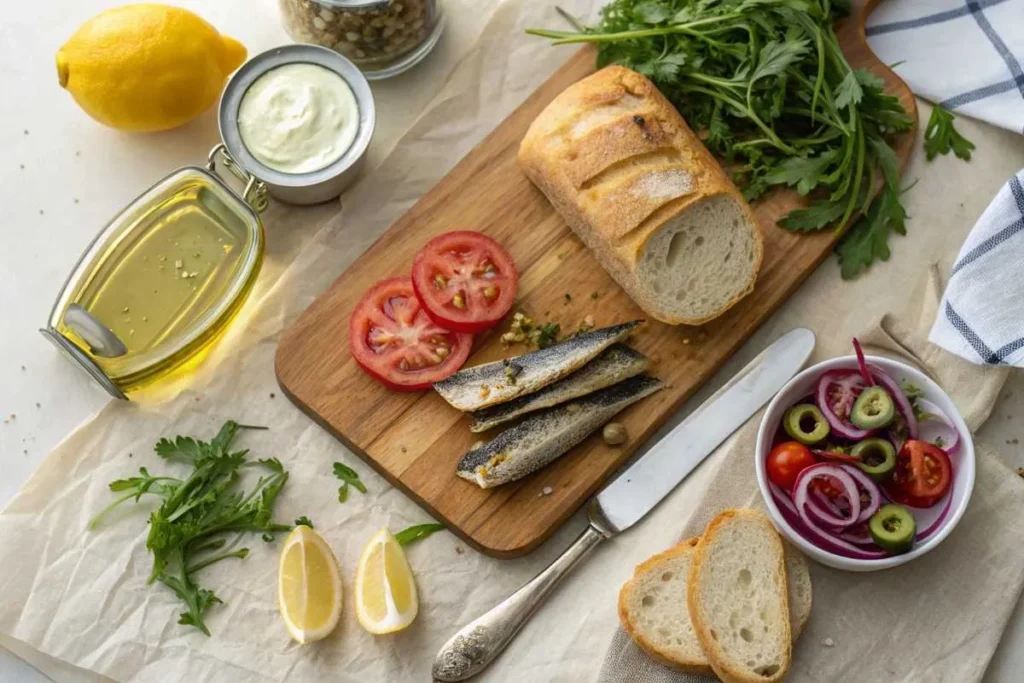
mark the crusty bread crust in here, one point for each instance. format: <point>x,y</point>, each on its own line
<point>587,152</point>
<point>720,662</point>
<point>651,649</point>
<point>799,562</point>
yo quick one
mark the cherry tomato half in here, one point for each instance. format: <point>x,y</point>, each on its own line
<point>466,280</point>
<point>922,476</point>
<point>395,341</point>
<point>786,461</point>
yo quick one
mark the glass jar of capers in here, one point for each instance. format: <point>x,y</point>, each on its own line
<point>382,37</point>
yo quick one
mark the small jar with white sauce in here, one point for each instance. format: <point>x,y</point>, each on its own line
<point>382,37</point>
<point>299,118</point>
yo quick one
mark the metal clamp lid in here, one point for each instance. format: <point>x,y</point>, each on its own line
<point>83,360</point>
<point>255,192</point>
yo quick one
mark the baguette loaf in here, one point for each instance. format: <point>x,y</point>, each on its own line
<point>636,185</point>
<point>653,606</point>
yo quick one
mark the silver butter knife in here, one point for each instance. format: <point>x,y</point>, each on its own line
<point>633,494</point>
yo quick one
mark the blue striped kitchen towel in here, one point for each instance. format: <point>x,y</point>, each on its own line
<point>967,55</point>
<point>981,317</point>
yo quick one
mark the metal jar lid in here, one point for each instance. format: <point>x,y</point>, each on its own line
<point>374,67</point>
<point>315,186</point>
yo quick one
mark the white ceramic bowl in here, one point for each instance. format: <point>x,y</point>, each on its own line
<point>963,461</point>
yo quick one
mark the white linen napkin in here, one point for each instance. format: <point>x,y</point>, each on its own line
<point>967,55</point>
<point>981,317</point>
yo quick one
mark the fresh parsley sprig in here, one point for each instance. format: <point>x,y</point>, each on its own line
<point>203,517</point>
<point>349,477</point>
<point>768,87</point>
<point>942,137</point>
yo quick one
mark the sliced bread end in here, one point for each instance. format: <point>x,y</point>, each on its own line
<point>652,609</point>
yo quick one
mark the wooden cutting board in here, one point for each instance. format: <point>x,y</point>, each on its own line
<point>416,440</point>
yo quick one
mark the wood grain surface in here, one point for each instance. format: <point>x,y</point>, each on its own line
<point>416,440</point>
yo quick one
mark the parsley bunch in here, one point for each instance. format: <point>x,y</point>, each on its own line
<point>768,86</point>
<point>202,517</point>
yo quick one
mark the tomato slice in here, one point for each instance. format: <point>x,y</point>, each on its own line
<point>466,280</point>
<point>922,476</point>
<point>394,340</point>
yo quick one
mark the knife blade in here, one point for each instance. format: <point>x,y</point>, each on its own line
<point>629,498</point>
<point>635,492</point>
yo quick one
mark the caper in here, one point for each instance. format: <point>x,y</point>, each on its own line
<point>614,433</point>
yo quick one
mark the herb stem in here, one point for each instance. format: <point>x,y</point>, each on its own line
<point>241,553</point>
<point>851,203</point>
<point>568,37</point>
<point>712,80</point>
<point>96,520</point>
<point>752,115</point>
<point>131,494</point>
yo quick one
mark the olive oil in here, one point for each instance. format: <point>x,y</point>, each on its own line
<point>167,276</point>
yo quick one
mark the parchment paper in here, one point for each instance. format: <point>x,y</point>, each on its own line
<point>81,597</point>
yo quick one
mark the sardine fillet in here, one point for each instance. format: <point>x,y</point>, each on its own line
<point>543,437</point>
<point>492,383</point>
<point>616,363</point>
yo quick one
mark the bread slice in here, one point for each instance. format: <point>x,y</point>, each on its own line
<point>652,609</point>
<point>653,606</point>
<point>738,598</point>
<point>638,187</point>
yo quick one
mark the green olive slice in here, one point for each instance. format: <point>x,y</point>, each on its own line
<point>873,409</point>
<point>893,528</point>
<point>806,424</point>
<point>877,458</point>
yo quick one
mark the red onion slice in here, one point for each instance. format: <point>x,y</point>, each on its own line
<point>865,483</point>
<point>848,381</point>
<point>862,364</point>
<point>822,516</point>
<point>782,499</point>
<point>806,508</point>
<point>833,544</point>
<point>940,427</point>
<point>818,536</point>
<point>900,398</point>
<point>859,535</point>
<point>817,496</point>
<point>922,535</point>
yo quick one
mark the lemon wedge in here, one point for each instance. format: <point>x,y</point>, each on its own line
<point>308,586</point>
<point>386,599</point>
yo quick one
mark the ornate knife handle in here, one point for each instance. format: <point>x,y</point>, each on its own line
<point>470,650</point>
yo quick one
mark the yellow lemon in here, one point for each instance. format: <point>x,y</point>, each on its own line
<point>386,599</point>
<point>308,586</point>
<point>147,67</point>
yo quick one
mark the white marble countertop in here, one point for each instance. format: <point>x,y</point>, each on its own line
<point>62,176</point>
